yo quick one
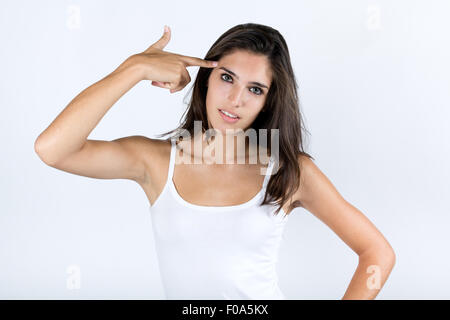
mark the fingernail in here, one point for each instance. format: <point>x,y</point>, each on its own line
<point>166,28</point>
<point>214,63</point>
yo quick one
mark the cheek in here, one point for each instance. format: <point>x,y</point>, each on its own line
<point>218,89</point>
<point>215,94</point>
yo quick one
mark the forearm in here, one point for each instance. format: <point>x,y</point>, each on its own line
<point>370,275</point>
<point>70,129</point>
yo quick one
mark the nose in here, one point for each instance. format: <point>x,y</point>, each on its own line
<point>235,96</point>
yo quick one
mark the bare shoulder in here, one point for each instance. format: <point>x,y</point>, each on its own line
<point>311,177</point>
<point>306,166</point>
<point>146,144</point>
<point>153,153</point>
<point>317,193</point>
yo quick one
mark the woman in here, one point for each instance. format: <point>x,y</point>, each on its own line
<point>217,226</point>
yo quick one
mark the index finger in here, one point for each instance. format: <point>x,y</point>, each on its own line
<point>194,61</point>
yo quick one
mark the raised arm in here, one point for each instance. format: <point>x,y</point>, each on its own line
<point>64,144</point>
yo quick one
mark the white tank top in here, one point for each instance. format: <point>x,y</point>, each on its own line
<point>216,252</point>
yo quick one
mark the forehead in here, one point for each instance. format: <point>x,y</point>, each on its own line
<point>248,66</point>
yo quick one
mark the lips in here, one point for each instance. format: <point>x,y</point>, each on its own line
<point>227,118</point>
<point>234,114</point>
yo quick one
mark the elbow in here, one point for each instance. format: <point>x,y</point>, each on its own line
<point>37,146</point>
<point>42,151</point>
<point>389,253</point>
<point>389,258</point>
<point>383,253</point>
<point>393,258</point>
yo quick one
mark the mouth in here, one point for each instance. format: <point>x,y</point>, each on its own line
<point>228,116</point>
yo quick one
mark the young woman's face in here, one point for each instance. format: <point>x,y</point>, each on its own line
<point>239,84</point>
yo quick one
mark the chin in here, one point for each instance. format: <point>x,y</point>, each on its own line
<point>232,130</point>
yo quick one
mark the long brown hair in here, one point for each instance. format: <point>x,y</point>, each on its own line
<point>281,109</point>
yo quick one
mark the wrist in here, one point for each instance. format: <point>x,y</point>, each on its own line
<point>134,66</point>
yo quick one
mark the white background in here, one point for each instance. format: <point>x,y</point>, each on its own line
<point>374,88</point>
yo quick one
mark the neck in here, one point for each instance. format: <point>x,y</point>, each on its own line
<point>219,148</point>
<point>222,148</point>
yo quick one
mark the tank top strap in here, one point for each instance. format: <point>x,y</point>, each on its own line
<point>172,159</point>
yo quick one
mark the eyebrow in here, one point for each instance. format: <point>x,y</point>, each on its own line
<point>252,82</point>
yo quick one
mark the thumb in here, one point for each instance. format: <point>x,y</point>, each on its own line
<point>163,41</point>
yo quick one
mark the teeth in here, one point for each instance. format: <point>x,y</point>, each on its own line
<point>228,114</point>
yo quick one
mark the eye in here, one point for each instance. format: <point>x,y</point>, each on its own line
<point>225,74</point>
<point>260,92</point>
